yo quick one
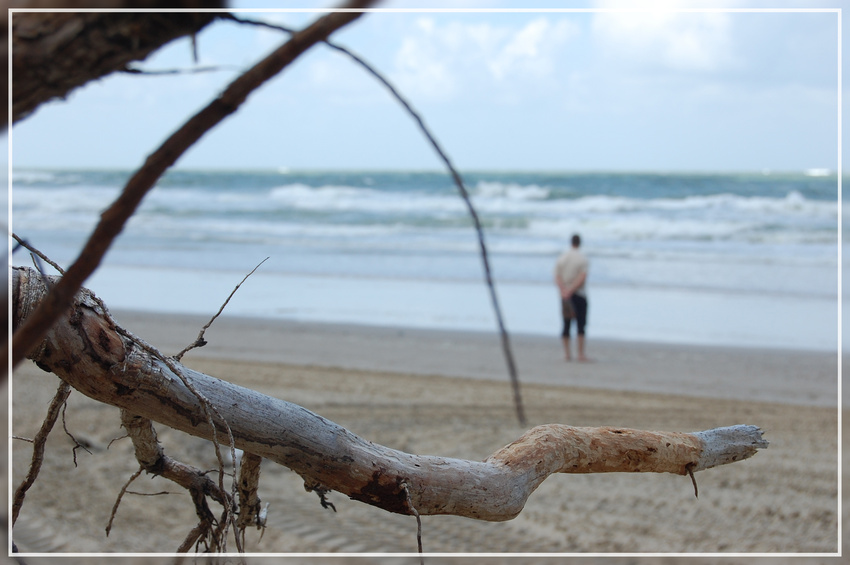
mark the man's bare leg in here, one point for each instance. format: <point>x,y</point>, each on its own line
<point>581,355</point>
<point>567,354</point>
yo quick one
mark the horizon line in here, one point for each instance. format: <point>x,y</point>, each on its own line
<point>814,172</point>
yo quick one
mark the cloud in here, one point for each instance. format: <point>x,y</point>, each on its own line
<point>530,50</point>
<point>421,64</point>
<point>441,60</point>
<point>662,39</point>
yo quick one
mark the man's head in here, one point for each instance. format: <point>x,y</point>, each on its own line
<point>576,240</point>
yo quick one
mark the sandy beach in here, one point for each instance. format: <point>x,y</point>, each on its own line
<point>445,393</point>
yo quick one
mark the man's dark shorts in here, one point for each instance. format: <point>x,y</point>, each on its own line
<point>579,308</point>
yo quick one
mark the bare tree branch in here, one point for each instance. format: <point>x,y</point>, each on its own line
<point>249,501</point>
<point>113,219</point>
<point>188,71</point>
<point>39,442</point>
<point>406,490</point>
<point>153,459</point>
<point>120,497</point>
<point>23,243</point>
<point>200,341</point>
<point>87,351</point>
<point>77,444</point>
<point>210,411</point>
<point>464,193</point>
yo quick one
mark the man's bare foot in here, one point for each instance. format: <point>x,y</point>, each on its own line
<point>583,359</point>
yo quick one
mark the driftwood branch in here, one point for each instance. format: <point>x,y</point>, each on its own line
<point>209,410</point>
<point>86,350</point>
<point>152,458</point>
<point>250,507</point>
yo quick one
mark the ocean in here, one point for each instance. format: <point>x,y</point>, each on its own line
<point>727,259</point>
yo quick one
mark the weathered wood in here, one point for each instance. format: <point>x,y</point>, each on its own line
<point>86,349</point>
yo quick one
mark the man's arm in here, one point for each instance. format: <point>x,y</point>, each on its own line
<point>562,286</point>
<point>567,291</point>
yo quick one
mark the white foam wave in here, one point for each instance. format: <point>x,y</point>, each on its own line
<point>26,177</point>
<point>494,198</point>
<point>56,206</point>
<point>793,202</point>
<point>634,228</point>
<point>304,197</point>
<point>522,216</point>
<point>817,172</point>
<point>511,191</point>
<point>269,232</point>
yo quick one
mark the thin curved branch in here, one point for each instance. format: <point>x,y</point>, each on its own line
<point>462,190</point>
<point>153,459</point>
<point>87,351</point>
<point>113,219</point>
<point>200,341</point>
<point>39,443</point>
<point>26,245</point>
<point>187,71</point>
<point>120,497</point>
<point>473,214</point>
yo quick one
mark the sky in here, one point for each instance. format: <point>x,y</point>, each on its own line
<point>610,89</point>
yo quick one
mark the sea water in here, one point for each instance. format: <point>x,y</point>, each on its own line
<point>735,259</point>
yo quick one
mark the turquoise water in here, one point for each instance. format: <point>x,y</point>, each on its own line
<point>673,252</point>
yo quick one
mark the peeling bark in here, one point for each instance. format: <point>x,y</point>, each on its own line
<point>86,350</point>
<point>248,485</point>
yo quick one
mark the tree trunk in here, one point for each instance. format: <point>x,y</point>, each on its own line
<point>87,350</point>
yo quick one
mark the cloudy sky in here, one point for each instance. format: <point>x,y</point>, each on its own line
<point>593,90</point>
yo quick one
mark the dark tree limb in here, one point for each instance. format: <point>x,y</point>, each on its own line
<point>112,220</point>
<point>54,53</point>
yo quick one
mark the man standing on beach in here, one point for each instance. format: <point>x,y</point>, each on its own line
<point>570,276</point>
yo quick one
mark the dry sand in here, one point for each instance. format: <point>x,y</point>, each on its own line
<point>444,393</point>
